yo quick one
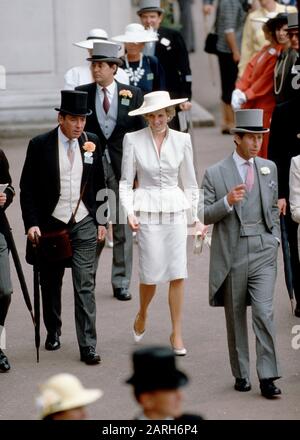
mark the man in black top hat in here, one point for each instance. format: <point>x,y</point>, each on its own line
<point>157,384</point>
<point>171,52</point>
<point>63,167</point>
<point>111,102</point>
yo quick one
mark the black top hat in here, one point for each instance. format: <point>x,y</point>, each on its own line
<point>74,103</point>
<point>155,369</point>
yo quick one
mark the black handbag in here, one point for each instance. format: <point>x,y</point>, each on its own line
<point>210,45</point>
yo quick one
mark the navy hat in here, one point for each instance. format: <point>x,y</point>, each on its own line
<point>155,369</point>
<point>74,103</point>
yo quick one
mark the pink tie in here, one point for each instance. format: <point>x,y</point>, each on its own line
<point>249,177</point>
<point>106,103</point>
<point>71,152</point>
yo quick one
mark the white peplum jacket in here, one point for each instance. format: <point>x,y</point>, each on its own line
<point>158,177</point>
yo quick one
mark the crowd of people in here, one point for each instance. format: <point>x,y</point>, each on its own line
<point>120,156</point>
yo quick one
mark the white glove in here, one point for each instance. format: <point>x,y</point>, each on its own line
<point>238,98</point>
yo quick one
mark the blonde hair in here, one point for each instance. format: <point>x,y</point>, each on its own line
<point>170,112</point>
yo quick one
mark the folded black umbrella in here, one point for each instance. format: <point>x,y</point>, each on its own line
<point>288,275</point>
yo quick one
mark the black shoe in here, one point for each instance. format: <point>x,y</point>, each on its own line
<point>4,364</point>
<point>297,311</point>
<point>89,356</point>
<point>122,293</point>
<point>52,342</point>
<point>242,384</point>
<point>268,389</point>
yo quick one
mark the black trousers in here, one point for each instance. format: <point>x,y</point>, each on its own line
<point>228,72</point>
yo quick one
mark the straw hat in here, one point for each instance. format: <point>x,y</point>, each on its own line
<point>63,392</point>
<point>249,121</point>
<point>156,101</point>
<point>136,33</point>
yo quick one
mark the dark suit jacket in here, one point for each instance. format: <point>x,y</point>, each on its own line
<point>174,59</point>
<point>283,141</point>
<point>125,123</point>
<point>5,178</point>
<point>40,179</point>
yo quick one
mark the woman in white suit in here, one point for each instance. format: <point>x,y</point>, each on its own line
<point>157,157</point>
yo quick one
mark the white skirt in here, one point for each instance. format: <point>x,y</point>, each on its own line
<point>162,239</point>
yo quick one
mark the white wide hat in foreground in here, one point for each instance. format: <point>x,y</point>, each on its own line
<point>63,392</point>
<point>156,101</point>
<point>136,33</point>
<point>249,121</point>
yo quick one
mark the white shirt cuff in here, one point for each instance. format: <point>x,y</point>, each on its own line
<point>227,206</point>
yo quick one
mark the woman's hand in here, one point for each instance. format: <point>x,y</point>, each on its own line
<point>133,223</point>
<point>200,229</point>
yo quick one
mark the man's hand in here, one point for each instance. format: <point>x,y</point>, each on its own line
<point>133,223</point>
<point>101,233</point>
<point>237,194</point>
<point>207,9</point>
<point>236,56</point>
<point>185,106</point>
<point>282,206</point>
<point>32,232</point>
<point>2,199</point>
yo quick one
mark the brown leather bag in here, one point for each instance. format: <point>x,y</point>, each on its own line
<point>55,246</point>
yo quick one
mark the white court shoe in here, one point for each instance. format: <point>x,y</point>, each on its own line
<point>137,336</point>
<point>178,351</point>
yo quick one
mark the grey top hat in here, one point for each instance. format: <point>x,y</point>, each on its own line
<point>249,121</point>
<point>103,51</point>
<point>293,22</point>
<point>149,6</point>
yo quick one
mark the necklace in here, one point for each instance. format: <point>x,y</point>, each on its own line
<point>134,75</point>
<point>281,66</point>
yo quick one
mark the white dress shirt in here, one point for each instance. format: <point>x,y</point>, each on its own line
<point>110,90</point>
<point>242,168</point>
<point>70,182</point>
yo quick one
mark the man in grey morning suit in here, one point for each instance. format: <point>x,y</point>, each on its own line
<point>240,199</point>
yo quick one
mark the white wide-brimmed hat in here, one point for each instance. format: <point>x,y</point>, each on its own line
<point>249,121</point>
<point>63,392</point>
<point>136,33</point>
<point>156,101</point>
<point>93,36</point>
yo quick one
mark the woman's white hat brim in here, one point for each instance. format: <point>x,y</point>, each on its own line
<point>143,110</point>
<point>136,38</point>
